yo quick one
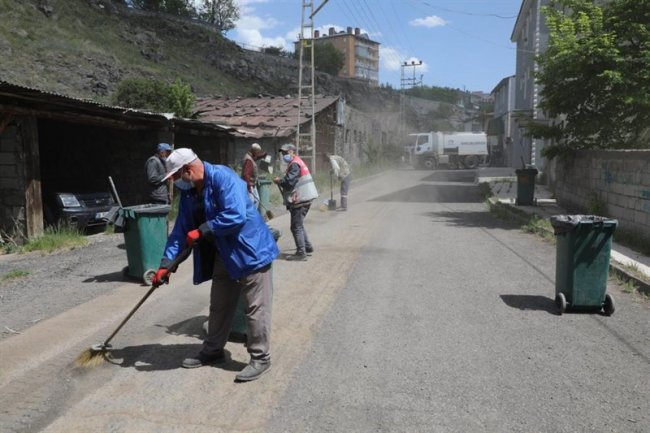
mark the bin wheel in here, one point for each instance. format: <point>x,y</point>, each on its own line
<point>609,306</point>
<point>560,300</point>
<point>125,271</point>
<point>148,275</point>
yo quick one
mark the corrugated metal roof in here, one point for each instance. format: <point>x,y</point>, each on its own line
<point>259,117</point>
<point>32,97</point>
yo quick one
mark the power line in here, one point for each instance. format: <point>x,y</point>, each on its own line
<point>476,14</point>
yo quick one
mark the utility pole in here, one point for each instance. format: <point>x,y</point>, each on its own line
<point>306,80</point>
<point>406,83</point>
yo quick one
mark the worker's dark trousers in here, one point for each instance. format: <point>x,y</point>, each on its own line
<point>298,215</point>
<point>345,186</point>
<point>257,290</point>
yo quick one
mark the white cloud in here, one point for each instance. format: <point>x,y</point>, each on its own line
<point>390,58</point>
<point>248,22</point>
<point>255,39</point>
<point>430,21</point>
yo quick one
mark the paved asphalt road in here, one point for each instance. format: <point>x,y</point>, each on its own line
<point>418,312</point>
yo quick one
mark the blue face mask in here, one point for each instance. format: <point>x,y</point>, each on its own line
<point>286,158</point>
<point>183,184</point>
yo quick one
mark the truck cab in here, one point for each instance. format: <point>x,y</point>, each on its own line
<point>455,149</point>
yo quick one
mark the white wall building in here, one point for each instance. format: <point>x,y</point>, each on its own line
<point>531,36</point>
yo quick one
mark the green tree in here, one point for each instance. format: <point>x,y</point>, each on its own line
<point>327,58</point>
<point>221,13</point>
<point>595,75</point>
<point>154,95</point>
<point>181,99</point>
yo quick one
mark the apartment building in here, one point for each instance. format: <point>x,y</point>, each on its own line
<point>361,53</point>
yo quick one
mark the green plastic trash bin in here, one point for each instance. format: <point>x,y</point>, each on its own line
<point>145,235</point>
<point>238,331</point>
<point>526,186</point>
<point>584,244</point>
<point>265,194</point>
<point>239,327</point>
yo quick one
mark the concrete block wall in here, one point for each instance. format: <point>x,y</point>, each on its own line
<point>12,184</point>
<point>617,181</point>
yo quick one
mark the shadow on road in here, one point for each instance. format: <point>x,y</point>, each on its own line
<point>192,327</point>
<point>159,357</point>
<point>470,219</point>
<point>451,176</point>
<point>106,278</point>
<point>434,194</point>
<point>530,302</point>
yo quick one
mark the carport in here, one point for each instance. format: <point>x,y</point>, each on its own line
<point>50,142</point>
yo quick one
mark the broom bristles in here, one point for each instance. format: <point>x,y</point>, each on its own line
<point>90,358</point>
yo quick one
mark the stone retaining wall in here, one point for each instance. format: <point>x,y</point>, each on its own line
<point>613,182</point>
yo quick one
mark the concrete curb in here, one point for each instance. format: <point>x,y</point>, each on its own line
<point>521,216</point>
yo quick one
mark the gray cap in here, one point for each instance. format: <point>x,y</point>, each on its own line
<point>287,147</point>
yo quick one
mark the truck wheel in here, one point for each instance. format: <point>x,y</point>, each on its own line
<point>430,164</point>
<point>470,161</point>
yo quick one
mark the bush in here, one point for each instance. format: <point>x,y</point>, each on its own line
<point>154,95</point>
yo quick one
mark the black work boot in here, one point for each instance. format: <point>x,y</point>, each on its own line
<point>201,360</point>
<point>309,250</point>
<point>253,370</point>
<point>297,257</point>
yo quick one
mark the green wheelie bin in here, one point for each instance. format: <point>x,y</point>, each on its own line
<point>145,236</point>
<point>238,331</point>
<point>526,186</point>
<point>583,249</point>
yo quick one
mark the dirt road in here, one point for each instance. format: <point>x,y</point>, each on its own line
<point>417,312</point>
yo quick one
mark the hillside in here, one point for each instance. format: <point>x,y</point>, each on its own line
<point>84,48</point>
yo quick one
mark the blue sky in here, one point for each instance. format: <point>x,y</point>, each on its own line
<point>463,44</point>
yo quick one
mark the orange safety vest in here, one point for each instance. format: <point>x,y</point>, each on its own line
<point>305,190</point>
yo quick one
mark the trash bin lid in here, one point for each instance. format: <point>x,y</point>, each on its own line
<point>150,208</point>
<point>567,223</point>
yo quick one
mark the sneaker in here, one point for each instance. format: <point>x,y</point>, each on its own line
<point>297,257</point>
<point>253,370</point>
<point>309,250</point>
<point>201,360</point>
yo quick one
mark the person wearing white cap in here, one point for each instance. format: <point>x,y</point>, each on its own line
<point>232,246</point>
<point>155,171</point>
<point>249,171</point>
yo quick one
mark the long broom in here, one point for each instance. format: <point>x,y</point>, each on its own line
<point>97,353</point>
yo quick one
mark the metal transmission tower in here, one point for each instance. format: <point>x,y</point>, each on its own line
<point>306,91</point>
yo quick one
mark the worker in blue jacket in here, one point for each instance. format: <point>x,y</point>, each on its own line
<point>232,246</point>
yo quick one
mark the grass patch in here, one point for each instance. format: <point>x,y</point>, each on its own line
<point>56,238</point>
<point>539,226</point>
<point>485,190</point>
<point>627,285</point>
<point>13,275</point>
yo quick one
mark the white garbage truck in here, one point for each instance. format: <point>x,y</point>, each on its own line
<point>453,149</point>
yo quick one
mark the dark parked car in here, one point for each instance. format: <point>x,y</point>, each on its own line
<point>83,209</point>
